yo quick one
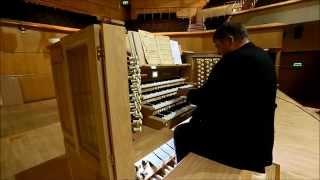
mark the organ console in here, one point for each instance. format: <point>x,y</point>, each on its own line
<point>161,108</point>
<point>154,101</point>
<point>103,91</point>
<point>160,105</point>
<point>116,111</point>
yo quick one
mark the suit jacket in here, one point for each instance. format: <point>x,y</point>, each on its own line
<point>235,109</point>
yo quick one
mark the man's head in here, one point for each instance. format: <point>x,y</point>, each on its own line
<point>229,37</point>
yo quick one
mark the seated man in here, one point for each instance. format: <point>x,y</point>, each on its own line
<point>234,120</point>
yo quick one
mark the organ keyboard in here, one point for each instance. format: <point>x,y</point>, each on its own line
<point>156,93</point>
<point>160,105</point>
<point>172,111</point>
<point>162,83</point>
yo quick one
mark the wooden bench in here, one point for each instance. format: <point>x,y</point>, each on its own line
<point>196,167</point>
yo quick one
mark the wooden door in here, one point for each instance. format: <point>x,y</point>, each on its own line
<point>80,90</point>
<point>117,98</point>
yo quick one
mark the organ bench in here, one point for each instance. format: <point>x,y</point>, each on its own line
<point>196,167</point>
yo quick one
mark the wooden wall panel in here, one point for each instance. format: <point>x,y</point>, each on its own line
<point>10,92</point>
<point>14,40</point>
<point>101,8</point>
<point>9,63</point>
<point>308,41</point>
<point>24,63</point>
<point>302,11</point>
<point>37,87</point>
<point>264,36</point>
<point>25,56</point>
<point>167,3</point>
<point>271,38</point>
<point>201,43</point>
<point>301,43</point>
<point>302,83</point>
<point>153,6</point>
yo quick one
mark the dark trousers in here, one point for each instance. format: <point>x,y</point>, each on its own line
<point>188,139</point>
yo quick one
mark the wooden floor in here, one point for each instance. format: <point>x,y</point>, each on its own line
<point>26,117</point>
<point>296,140</point>
<point>32,144</point>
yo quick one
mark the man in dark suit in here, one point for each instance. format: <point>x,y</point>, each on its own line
<point>234,120</point>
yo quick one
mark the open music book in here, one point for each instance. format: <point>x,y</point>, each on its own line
<point>154,49</point>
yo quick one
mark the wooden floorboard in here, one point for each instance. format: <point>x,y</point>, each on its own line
<point>21,118</point>
<point>58,168</point>
<point>25,147</point>
<point>296,143</point>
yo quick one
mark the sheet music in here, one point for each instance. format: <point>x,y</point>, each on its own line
<point>150,47</point>
<point>175,50</point>
<point>136,46</point>
<point>163,43</point>
<point>130,43</point>
<point>139,48</point>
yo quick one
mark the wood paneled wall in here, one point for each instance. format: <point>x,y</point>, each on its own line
<point>302,37</point>
<point>196,43</point>
<point>24,55</point>
<point>301,44</point>
<point>298,11</point>
<point>265,36</point>
<point>100,8</point>
<point>186,7</point>
<point>301,83</point>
